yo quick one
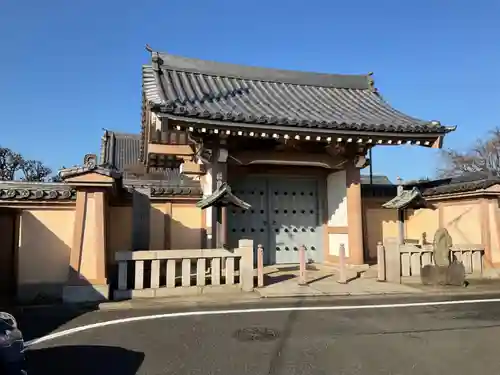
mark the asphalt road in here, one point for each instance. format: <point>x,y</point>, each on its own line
<point>454,339</point>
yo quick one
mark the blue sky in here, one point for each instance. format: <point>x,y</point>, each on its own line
<point>71,68</point>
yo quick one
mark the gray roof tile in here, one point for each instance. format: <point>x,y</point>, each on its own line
<point>407,198</point>
<point>122,150</point>
<point>16,190</point>
<point>376,180</point>
<point>191,88</point>
<point>468,182</point>
<point>459,184</point>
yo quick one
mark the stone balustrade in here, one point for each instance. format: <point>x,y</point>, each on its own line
<point>407,260</point>
<point>161,273</point>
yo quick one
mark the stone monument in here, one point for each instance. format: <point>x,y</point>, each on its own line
<point>442,245</point>
<point>443,272</point>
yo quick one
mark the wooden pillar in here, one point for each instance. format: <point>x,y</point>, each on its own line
<point>219,231</point>
<point>401,227</point>
<point>219,176</point>
<point>354,215</point>
<point>215,211</point>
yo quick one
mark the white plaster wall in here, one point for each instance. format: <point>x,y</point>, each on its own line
<point>337,199</point>
<point>335,239</point>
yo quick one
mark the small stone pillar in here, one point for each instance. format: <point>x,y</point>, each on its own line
<point>380,261</point>
<point>246,264</point>
<point>392,260</point>
<point>343,272</point>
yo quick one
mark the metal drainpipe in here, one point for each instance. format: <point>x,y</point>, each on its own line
<point>371,171</point>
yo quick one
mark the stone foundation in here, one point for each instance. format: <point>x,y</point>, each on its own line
<point>85,293</point>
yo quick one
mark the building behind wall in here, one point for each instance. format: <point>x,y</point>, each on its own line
<point>467,206</point>
<point>291,144</point>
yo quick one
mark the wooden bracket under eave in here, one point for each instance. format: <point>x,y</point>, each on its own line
<point>192,168</point>
<point>438,143</point>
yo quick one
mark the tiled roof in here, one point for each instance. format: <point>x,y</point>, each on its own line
<point>194,89</point>
<point>459,184</point>
<point>121,151</point>
<point>376,180</point>
<point>41,191</point>
<point>408,198</point>
<point>223,197</point>
<point>172,182</point>
<point>99,169</point>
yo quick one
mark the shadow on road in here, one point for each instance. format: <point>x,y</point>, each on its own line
<point>84,360</point>
<point>35,323</point>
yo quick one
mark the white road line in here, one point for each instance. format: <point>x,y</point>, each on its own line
<point>87,327</point>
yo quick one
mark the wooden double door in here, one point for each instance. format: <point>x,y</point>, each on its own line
<point>285,215</point>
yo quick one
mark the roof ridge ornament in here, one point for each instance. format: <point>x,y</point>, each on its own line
<point>90,161</point>
<point>371,82</point>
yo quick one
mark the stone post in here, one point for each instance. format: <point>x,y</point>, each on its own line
<point>342,265</point>
<point>392,260</point>
<point>380,261</point>
<point>246,265</point>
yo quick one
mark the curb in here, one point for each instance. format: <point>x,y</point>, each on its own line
<point>419,294</point>
<point>172,302</point>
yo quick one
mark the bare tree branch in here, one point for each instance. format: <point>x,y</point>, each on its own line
<point>12,164</point>
<point>34,170</point>
<point>483,156</point>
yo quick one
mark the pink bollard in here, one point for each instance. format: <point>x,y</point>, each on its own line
<point>260,266</point>
<point>302,266</point>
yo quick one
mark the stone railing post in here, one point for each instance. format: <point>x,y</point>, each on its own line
<point>342,265</point>
<point>392,260</point>
<point>246,264</point>
<point>260,266</point>
<point>380,261</point>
